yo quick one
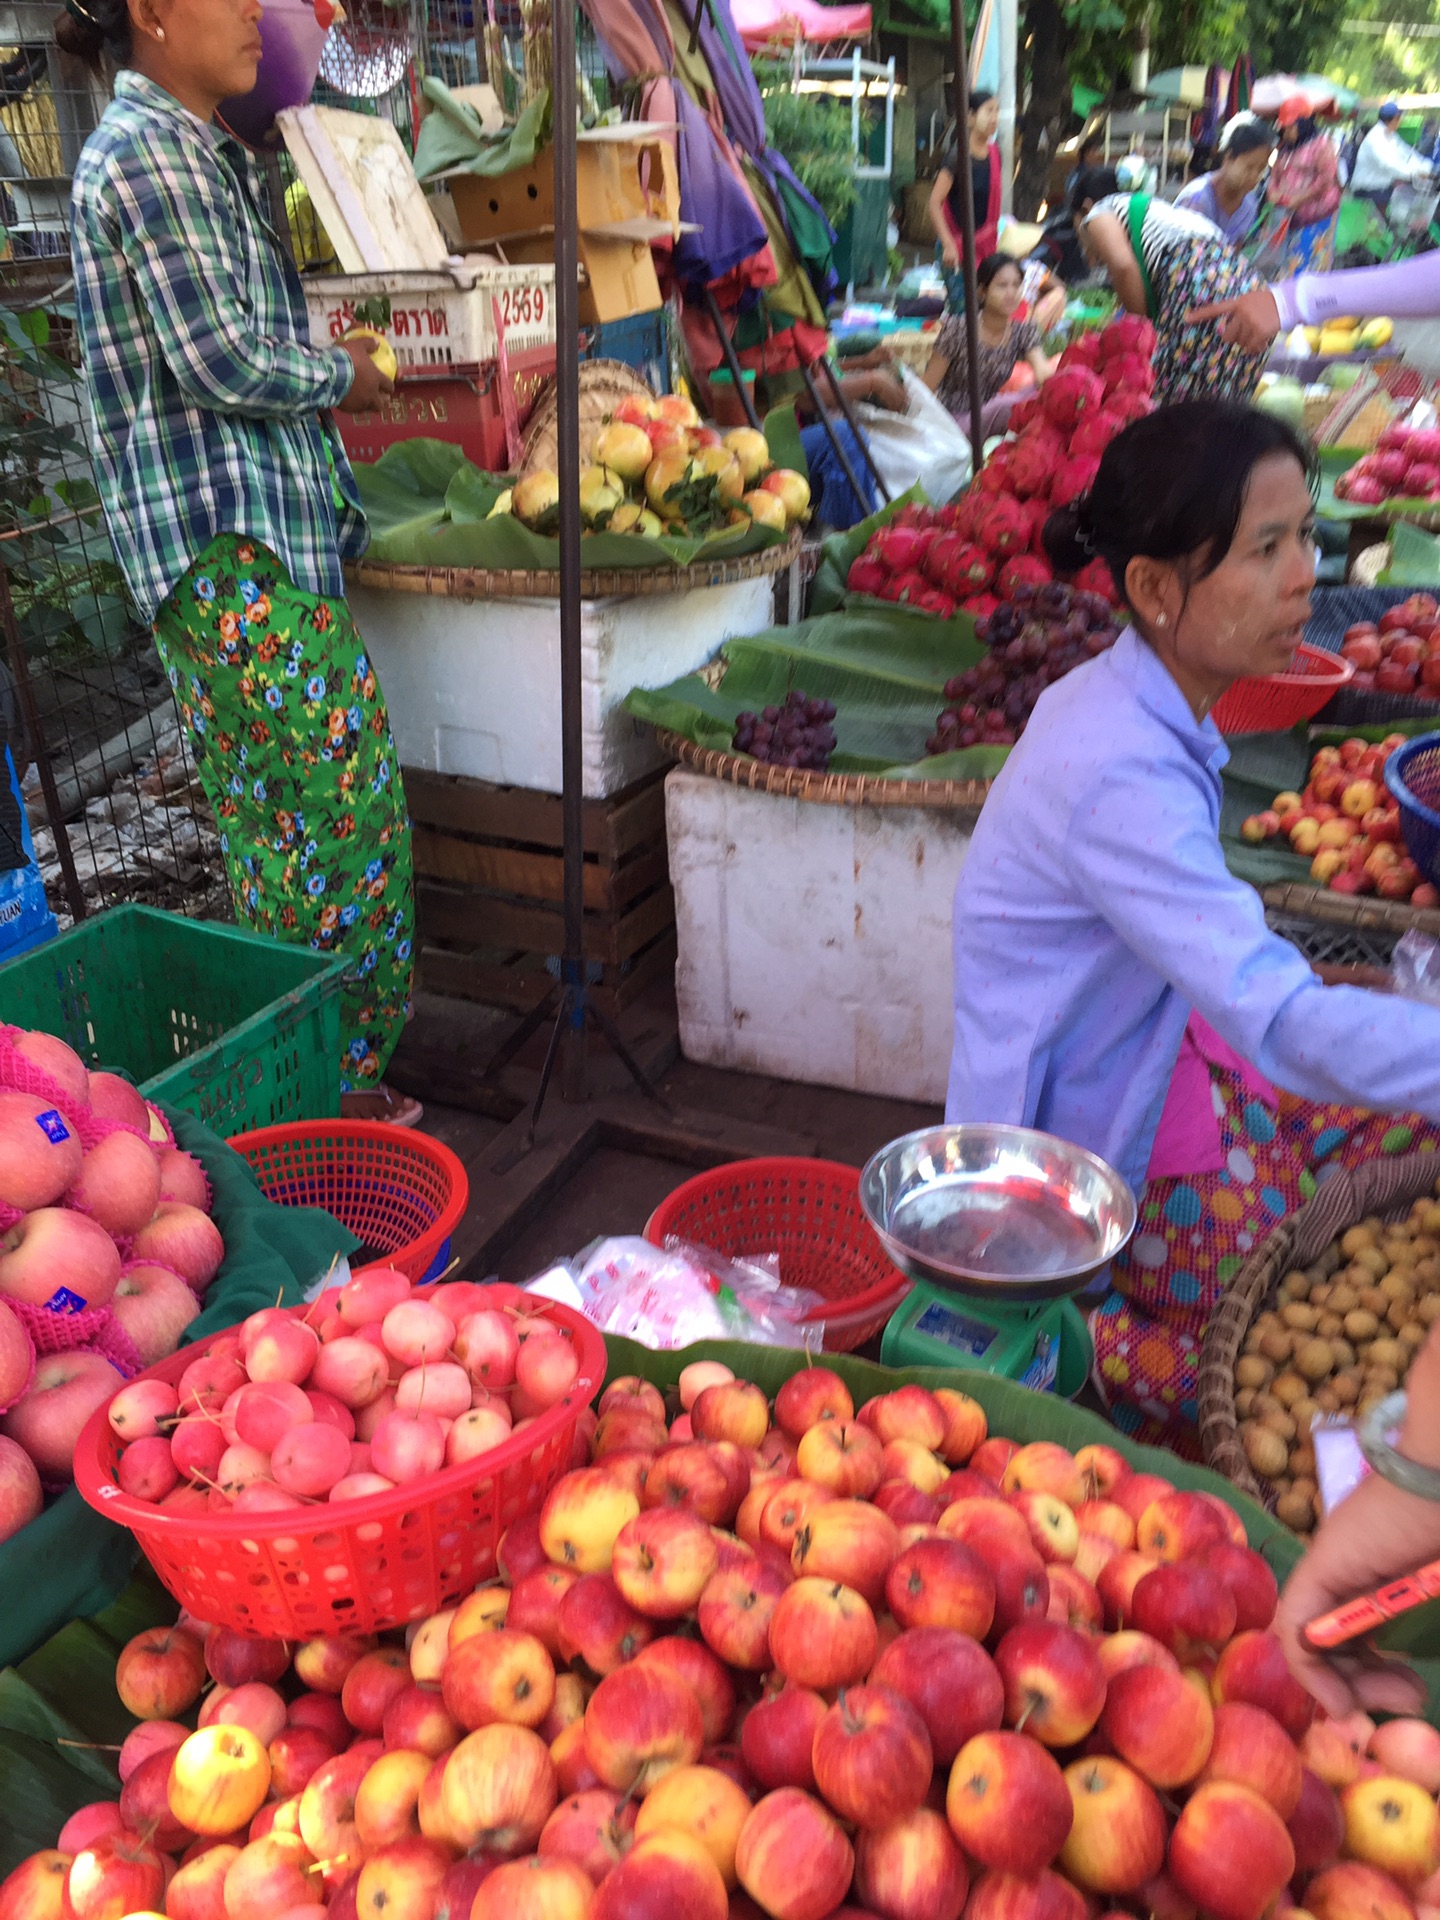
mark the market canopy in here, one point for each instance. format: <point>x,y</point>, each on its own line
<point>763,22</point>
<point>1184,85</point>
<point>1321,94</point>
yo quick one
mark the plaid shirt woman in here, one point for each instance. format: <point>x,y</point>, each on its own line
<point>230,503</point>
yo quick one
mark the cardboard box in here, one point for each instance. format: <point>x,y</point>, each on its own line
<point>619,275</point>
<point>622,173</point>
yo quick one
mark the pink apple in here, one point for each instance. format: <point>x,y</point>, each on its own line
<point>20,1495</point>
<point>407,1447</point>
<point>153,1305</point>
<point>1411,1749</point>
<point>46,1421</point>
<point>327,1411</point>
<point>119,1183</point>
<point>265,1411</point>
<point>57,1254</point>
<point>358,1486</point>
<point>487,1346</point>
<point>113,1098</point>
<point>283,1349</point>
<point>353,1370</point>
<point>309,1459</point>
<point>184,1238</point>
<point>146,1470</point>
<point>17,1356</point>
<point>150,1737</point>
<point>138,1411</point>
<point>370,1294</point>
<point>477,1431</point>
<point>62,1064</point>
<point>197,1445</point>
<point>40,1151</point>
<point>442,1389</point>
<point>415,1332</point>
<point>182,1178</point>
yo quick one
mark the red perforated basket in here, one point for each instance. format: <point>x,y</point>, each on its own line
<point>358,1566</point>
<point>1271,702</point>
<point>807,1211</point>
<point>399,1191</point>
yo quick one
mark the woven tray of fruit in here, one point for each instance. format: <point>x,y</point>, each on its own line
<point>1324,1318</point>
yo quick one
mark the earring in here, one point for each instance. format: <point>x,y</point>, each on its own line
<point>1162,619</point>
<point>159,33</point>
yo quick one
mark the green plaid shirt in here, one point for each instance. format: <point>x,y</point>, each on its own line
<point>205,392</point>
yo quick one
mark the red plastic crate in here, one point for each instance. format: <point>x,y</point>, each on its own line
<point>464,404</point>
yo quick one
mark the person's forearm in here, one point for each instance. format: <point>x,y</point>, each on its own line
<point>1407,289</point>
<point>1129,285</point>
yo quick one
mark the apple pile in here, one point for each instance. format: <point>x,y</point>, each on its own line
<point>1347,824</point>
<point>104,1216</point>
<point>1338,1337</point>
<point>1404,466</point>
<point>386,1388</point>
<point>1399,652</point>
<point>1034,638</point>
<point>807,1662</point>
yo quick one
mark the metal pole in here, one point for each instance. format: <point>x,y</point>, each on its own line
<point>732,359</point>
<point>567,399</point>
<point>836,443</point>
<point>967,223</point>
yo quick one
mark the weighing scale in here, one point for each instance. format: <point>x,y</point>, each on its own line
<point>998,1227</point>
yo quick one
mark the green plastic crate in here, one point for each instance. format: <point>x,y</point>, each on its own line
<point>238,1029</point>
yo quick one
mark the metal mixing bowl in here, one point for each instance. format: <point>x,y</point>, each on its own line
<point>1001,1211</point>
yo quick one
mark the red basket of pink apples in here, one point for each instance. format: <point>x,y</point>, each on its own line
<point>349,1466</point>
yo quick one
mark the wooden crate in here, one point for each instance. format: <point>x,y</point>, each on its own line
<point>489,881</point>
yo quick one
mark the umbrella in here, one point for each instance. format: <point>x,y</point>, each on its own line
<point>1184,85</point>
<point>1321,95</point>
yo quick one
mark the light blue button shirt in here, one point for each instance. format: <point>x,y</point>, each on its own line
<point>1095,909</point>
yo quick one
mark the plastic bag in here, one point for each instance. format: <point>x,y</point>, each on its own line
<point>924,443</point>
<point>1415,966</point>
<point>672,1296</point>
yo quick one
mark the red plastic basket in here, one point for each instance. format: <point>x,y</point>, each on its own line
<point>807,1211</point>
<point>1271,702</point>
<point>399,1191</point>
<point>363,1565</point>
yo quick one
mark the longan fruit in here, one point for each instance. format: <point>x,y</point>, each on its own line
<point>1304,1484</point>
<point>1266,1320</point>
<point>1326,1401</point>
<point>1280,1423</point>
<point>1374,1301</point>
<point>1354,1239</point>
<point>1427,1272</point>
<point>1266,1451</point>
<point>1427,1310</point>
<point>1277,1345</point>
<point>1295,1511</point>
<point>1302,1413</point>
<point>1252,1371</point>
<point>1343,1298</point>
<point>1252,1341</point>
<point>1302,1460</point>
<point>1388,1353</point>
<point>1413,1335</point>
<point>1244,1402</point>
<point>1396,1283</point>
<point>1360,1325</point>
<point>1342,1353</point>
<point>1374,1261</point>
<point>1266,1403</point>
<point>1320,1294</point>
<point>1313,1359</point>
<point>1300,1317</point>
<point>1346,1389</point>
<point>1429,1214</point>
<point>1380,1381</point>
<point>1289,1388</point>
<point>1329,1326</point>
<point>1400,1311</point>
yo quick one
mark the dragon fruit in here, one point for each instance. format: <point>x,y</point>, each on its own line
<point>933,600</point>
<point>1363,488</point>
<point>1095,577</point>
<point>1021,416</point>
<point>979,606</point>
<point>1069,395</point>
<point>1022,568</point>
<point>1389,468</point>
<point>1126,404</point>
<point>1094,433</point>
<point>1395,435</point>
<point>1037,452</point>
<point>1422,480</point>
<point>1039,511</point>
<point>963,513</point>
<point>898,548</point>
<point>1424,444</point>
<point>866,575</point>
<point>1083,351</point>
<point>905,586</point>
<point>1130,334</point>
<point>1127,374</point>
<point>1072,477</point>
<point>1004,528</point>
<point>973,571</point>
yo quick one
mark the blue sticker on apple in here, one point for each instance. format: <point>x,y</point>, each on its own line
<point>64,1301</point>
<point>52,1126</point>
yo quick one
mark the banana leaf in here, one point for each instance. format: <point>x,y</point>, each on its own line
<point>884,669</point>
<point>828,589</point>
<point>1414,558</point>
<point>965,763</point>
<point>782,436</point>
<point>428,505</point>
<point>1337,460</point>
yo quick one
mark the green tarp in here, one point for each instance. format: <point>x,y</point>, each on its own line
<point>451,136</point>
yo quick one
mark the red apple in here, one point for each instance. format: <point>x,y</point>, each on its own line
<point>592,1828</point>
<point>912,1869</point>
<point>1117,1839</point>
<point>1008,1804</point>
<point>1253,1668</point>
<point>941,1583</point>
<point>1251,1747</point>
<point>1230,1852</point>
<point>117,1875</point>
<point>1316,1827</point>
<point>159,1673</point>
<point>1251,1583</point>
<point>1159,1723</point>
<point>807,1398</point>
<point>872,1756</point>
<point>1008,1896</point>
<point>848,1540</point>
<point>822,1634</point>
<point>640,1722</point>
<point>1352,1891</point>
<point>735,1610</point>
<point>1054,1683</point>
<point>1178,1525</point>
<point>693,1662</point>
<point>67,1388</point>
<point>777,1738</point>
<point>1185,1607</point>
<point>793,1858</point>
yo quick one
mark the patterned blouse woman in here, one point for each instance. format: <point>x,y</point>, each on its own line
<point>1162,261</point>
<point>230,503</point>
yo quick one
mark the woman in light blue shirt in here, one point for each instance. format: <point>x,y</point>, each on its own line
<point>1114,983</point>
<point>1229,195</point>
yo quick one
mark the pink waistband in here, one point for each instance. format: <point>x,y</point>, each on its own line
<point>1188,1137</point>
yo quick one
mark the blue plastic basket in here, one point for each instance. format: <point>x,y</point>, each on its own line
<point>1412,773</point>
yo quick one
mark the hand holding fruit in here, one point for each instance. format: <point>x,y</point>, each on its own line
<point>375,365</point>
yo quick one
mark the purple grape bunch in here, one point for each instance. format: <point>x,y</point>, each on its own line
<point>797,733</point>
<point>1035,638</point>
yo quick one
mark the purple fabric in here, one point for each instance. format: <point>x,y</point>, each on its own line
<point>729,66</point>
<point>731,230</point>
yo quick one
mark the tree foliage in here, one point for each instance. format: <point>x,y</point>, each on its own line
<point>812,130</point>
<point>1390,62</point>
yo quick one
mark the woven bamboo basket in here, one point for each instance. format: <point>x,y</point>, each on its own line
<point>1344,928</point>
<point>828,789</point>
<point>1385,1186</point>
<point>596,583</point>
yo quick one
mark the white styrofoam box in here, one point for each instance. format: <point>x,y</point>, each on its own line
<point>814,940</point>
<point>434,321</point>
<point>474,688</point>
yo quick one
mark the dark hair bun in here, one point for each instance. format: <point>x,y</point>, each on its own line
<point>1066,537</point>
<point>95,33</point>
